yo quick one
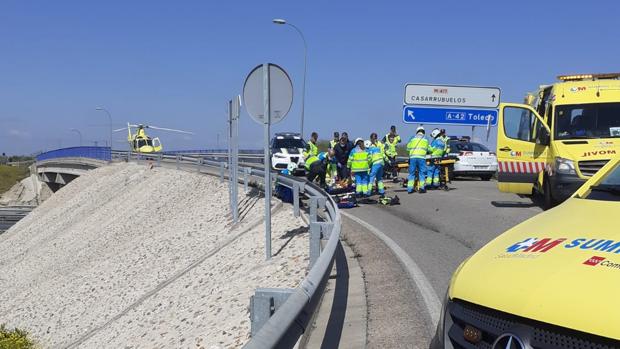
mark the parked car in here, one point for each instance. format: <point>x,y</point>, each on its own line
<point>475,159</point>
<point>288,148</point>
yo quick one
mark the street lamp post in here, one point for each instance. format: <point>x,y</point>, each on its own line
<point>303,86</point>
<point>79,133</point>
<point>110,119</point>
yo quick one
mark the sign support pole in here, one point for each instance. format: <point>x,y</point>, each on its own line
<point>267,161</point>
<point>268,87</point>
<point>229,156</point>
<point>235,159</point>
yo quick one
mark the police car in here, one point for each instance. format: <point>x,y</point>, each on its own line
<point>475,159</point>
<point>550,282</point>
<point>287,148</point>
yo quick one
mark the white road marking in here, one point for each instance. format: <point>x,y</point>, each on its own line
<point>420,281</point>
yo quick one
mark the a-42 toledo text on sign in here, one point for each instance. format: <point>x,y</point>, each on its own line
<point>449,116</point>
<point>452,96</point>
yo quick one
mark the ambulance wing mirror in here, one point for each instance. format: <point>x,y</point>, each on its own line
<point>543,137</point>
<point>543,134</point>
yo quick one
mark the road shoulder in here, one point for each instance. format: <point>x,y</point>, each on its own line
<point>395,311</point>
<point>341,319</point>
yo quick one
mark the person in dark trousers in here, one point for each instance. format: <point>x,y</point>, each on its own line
<point>316,167</point>
<point>341,152</point>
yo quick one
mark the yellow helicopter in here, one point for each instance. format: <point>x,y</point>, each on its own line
<point>140,142</point>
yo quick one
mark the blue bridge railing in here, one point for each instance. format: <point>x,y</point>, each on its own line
<point>99,153</point>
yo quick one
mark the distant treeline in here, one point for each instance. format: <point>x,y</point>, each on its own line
<point>14,158</point>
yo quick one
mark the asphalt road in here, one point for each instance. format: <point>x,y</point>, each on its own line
<point>439,229</point>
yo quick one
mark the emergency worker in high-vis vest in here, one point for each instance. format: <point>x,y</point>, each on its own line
<point>417,147</point>
<point>377,158</point>
<point>437,150</point>
<point>359,165</point>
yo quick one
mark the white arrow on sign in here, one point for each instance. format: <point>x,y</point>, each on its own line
<point>410,114</point>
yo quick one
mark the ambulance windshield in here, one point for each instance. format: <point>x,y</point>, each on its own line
<point>597,120</point>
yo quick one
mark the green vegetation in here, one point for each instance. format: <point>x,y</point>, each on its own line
<point>9,175</point>
<point>15,339</point>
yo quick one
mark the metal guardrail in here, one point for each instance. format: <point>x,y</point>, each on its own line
<point>279,316</point>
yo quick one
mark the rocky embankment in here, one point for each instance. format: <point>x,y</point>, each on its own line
<point>128,257</point>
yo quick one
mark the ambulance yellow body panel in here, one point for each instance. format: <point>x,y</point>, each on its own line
<point>563,135</point>
<point>550,282</point>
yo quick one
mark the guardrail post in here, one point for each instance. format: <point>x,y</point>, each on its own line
<point>315,204</point>
<point>199,165</point>
<point>315,242</point>
<point>264,303</point>
<point>159,160</point>
<point>246,173</point>
<point>296,200</point>
<point>178,161</point>
<point>315,229</point>
<point>222,172</point>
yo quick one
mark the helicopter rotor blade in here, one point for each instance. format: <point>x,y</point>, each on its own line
<point>120,129</point>
<point>169,130</point>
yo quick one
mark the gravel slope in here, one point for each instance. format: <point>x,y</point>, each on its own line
<point>125,256</point>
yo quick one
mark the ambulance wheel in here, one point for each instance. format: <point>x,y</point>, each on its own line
<point>486,178</point>
<point>549,201</point>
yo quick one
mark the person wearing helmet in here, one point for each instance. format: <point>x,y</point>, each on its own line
<point>445,139</point>
<point>316,167</point>
<point>437,150</point>
<point>377,157</point>
<point>417,148</point>
<point>359,163</point>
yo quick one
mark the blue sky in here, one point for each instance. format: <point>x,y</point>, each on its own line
<point>175,64</point>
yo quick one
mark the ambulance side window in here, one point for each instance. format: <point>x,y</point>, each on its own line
<point>519,124</point>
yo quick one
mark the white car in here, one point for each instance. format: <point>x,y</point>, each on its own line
<point>288,148</point>
<point>475,159</point>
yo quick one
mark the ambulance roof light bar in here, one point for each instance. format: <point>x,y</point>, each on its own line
<point>578,77</point>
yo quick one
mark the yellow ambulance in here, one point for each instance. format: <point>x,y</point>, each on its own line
<point>560,137</point>
<point>551,282</point>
